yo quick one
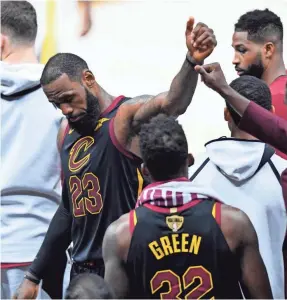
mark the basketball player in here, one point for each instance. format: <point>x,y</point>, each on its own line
<point>245,172</point>
<point>178,243</point>
<point>258,46</point>
<point>100,157</point>
<point>255,120</point>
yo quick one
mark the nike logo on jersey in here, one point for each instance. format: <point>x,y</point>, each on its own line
<point>100,123</point>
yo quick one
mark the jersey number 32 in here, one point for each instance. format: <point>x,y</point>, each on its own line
<point>176,285</point>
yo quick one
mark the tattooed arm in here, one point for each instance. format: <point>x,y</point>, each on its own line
<point>200,42</point>
<point>175,101</point>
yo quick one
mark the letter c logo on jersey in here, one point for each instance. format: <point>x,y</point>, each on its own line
<point>82,145</point>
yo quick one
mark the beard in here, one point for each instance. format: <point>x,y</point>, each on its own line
<point>87,123</point>
<point>255,69</point>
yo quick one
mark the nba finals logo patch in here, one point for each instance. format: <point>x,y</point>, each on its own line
<point>174,222</point>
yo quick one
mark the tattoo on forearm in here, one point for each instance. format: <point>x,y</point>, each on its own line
<point>174,102</point>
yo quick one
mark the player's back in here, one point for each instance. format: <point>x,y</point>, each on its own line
<point>181,254</point>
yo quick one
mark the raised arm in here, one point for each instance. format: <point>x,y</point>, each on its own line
<point>256,120</point>
<point>115,248</point>
<point>200,42</point>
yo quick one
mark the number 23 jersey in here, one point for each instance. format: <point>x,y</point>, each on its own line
<point>102,181</point>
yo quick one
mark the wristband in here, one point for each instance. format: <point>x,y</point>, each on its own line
<point>33,279</point>
<point>191,61</point>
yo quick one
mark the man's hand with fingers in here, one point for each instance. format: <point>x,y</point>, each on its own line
<point>26,290</point>
<point>212,76</point>
<point>200,40</point>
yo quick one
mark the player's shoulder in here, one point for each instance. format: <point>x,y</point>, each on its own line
<point>138,99</point>
<point>233,214</point>
<point>236,227</point>
<point>277,87</point>
<point>132,104</point>
<point>234,219</point>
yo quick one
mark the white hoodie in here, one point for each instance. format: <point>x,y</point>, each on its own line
<point>245,174</point>
<point>30,164</point>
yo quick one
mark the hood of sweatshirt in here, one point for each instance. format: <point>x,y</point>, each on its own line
<point>19,79</point>
<point>238,159</point>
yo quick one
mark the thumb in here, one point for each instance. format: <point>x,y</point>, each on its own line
<point>189,24</point>
<point>200,70</point>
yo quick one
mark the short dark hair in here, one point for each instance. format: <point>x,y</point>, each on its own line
<point>163,147</point>
<point>252,88</point>
<point>63,63</point>
<point>19,21</point>
<point>262,26</point>
<point>88,286</point>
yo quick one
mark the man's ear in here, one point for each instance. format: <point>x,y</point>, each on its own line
<point>190,159</point>
<point>88,78</point>
<point>269,50</point>
<point>227,116</point>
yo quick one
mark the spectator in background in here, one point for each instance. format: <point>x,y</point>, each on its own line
<point>255,120</point>
<point>30,185</point>
<point>245,173</point>
<point>85,16</point>
<point>258,46</point>
<point>49,46</point>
